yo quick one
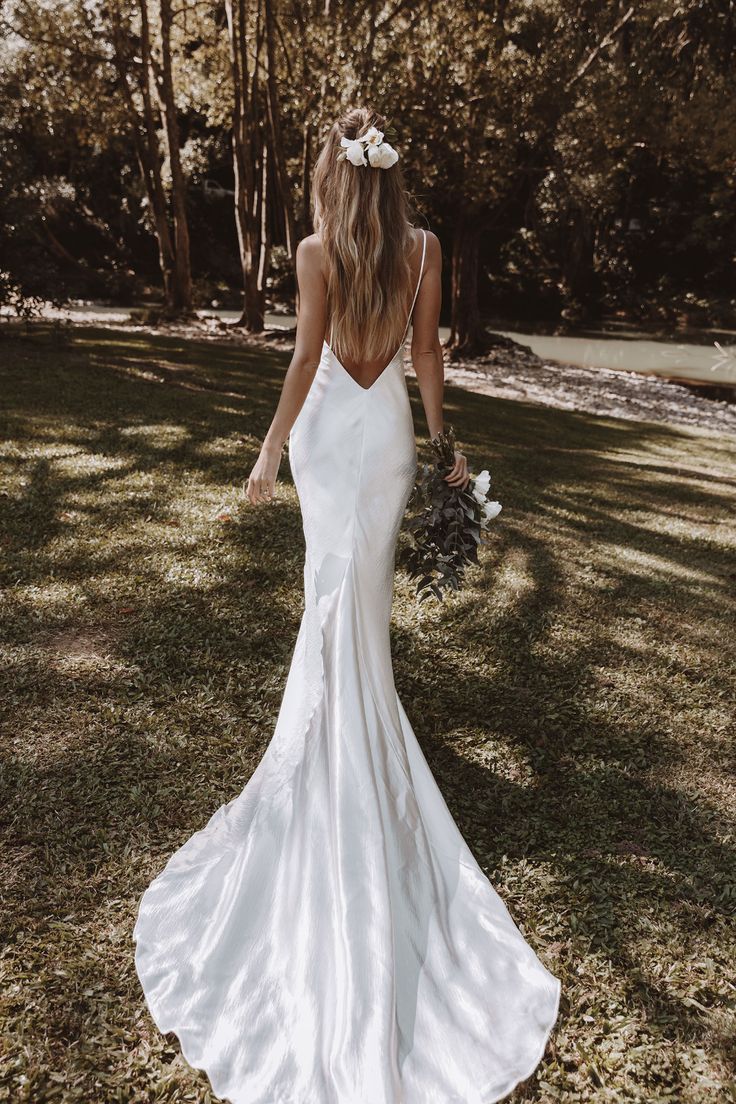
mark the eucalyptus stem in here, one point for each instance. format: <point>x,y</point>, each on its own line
<point>446,530</point>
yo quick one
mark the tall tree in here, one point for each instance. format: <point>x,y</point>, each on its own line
<point>182,285</point>
<point>134,81</point>
<point>284,202</point>
<point>250,163</point>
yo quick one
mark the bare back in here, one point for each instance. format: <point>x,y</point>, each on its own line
<point>424,264</point>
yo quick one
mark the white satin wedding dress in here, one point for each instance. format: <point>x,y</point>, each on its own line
<point>328,937</point>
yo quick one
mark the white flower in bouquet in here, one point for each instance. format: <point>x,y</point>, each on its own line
<point>489,511</point>
<point>481,486</point>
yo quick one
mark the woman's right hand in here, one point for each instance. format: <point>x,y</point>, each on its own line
<point>262,480</point>
<point>458,475</point>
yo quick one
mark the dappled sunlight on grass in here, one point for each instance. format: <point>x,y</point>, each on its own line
<point>80,464</point>
<point>654,567</point>
<point>574,702</point>
<point>159,434</point>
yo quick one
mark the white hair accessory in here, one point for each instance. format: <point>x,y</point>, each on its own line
<point>369,149</point>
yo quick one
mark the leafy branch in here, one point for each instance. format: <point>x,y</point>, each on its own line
<point>447,527</point>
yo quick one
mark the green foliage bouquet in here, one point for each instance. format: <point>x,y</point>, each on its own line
<point>447,524</point>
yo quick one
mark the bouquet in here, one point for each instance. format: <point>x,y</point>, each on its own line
<point>449,524</point>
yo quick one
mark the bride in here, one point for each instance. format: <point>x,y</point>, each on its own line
<point>328,936</point>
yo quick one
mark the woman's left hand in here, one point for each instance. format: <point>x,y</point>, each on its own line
<point>459,476</point>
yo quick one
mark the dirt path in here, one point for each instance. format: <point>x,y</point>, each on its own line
<point>518,373</point>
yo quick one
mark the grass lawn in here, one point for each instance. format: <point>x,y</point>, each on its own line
<point>574,703</point>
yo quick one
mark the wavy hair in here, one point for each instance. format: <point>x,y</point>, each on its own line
<point>361,215</point>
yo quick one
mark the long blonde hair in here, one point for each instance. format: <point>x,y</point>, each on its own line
<point>361,215</point>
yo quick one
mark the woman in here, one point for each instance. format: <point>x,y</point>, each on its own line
<point>328,937</point>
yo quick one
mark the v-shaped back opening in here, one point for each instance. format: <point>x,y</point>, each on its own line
<point>362,386</point>
<point>388,363</point>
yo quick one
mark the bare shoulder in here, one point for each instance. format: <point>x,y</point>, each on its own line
<point>434,249</point>
<point>309,257</point>
<point>309,249</point>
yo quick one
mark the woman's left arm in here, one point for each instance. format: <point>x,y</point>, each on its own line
<point>310,333</point>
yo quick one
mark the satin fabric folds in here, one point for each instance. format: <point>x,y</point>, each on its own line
<point>328,937</point>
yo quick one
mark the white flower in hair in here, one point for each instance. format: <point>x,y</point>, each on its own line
<point>382,156</point>
<point>353,151</point>
<point>373,136</point>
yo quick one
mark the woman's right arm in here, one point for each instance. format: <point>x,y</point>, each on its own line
<point>426,353</point>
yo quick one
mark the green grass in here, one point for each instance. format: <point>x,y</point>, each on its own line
<point>573,702</point>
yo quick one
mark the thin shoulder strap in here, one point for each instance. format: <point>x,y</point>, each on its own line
<point>416,290</point>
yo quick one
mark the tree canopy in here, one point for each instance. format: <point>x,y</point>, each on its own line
<point>574,157</point>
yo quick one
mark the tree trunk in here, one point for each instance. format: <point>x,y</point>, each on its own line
<point>306,217</point>
<point>278,158</point>
<point>264,261</point>
<point>578,273</point>
<point>246,151</point>
<point>182,289</point>
<point>145,139</point>
<point>309,108</point>
<point>467,335</point>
